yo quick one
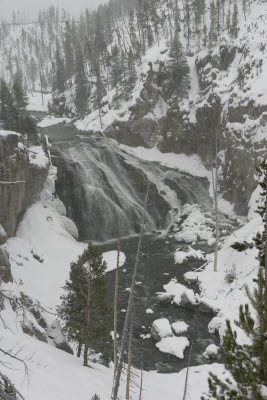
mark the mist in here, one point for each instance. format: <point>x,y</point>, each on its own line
<point>30,8</point>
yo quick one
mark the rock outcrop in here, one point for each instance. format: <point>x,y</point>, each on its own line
<point>20,180</point>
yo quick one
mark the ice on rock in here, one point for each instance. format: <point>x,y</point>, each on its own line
<point>160,329</point>
<point>211,351</point>
<point>181,256</point>
<point>195,226</point>
<point>179,327</point>
<point>173,345</point>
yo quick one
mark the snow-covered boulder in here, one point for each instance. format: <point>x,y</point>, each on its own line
<point>211,352</point>
<point>173,345</point>
<point>56,335</point>
<point>179,294</point>
<point>190,253</point>
<point>160,329</point>
<point>179,327</point>
<point>191,277</point>
<point>195,226</point>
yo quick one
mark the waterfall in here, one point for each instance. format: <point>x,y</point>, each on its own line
<point>103,189</point>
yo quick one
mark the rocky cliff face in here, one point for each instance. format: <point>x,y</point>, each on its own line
<point>21,179</point>
<point>223,106</point>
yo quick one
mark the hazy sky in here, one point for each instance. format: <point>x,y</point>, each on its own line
<point>32,6</point>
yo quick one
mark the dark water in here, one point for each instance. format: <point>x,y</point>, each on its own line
<point>156,269</point>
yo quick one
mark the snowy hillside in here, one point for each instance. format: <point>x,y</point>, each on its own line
<point>167,92</point>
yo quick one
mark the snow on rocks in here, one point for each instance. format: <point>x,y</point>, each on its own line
<point>149,311</point>
<point>160,329</point>
<point>179,327</point>
<point>191,277</point>
<point>178,294</point>
<point>52,236</point>
<point>174,346</point>
<point>51,120</point>
<point>195,226</point>
<point>38,157</point>
<point>182,256</point>
<point>211,352</point>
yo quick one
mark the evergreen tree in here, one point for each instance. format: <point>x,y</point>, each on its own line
<point>19,95</point>
<point>179,82</point>
<point>59,79</point>
<point>81,83</point>
<point>68,50</point>
<point>84,307</point>
<point>247,363</point>
<point>234,27</point>
<point>95,397</point>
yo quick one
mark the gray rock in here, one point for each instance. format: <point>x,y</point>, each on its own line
<point>3,235</point>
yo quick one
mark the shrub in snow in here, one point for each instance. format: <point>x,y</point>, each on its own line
<point>173,345</point>
<point>161,328</point>
<point>230,275</point>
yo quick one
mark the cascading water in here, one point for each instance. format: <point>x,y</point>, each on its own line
<point>103,189</point>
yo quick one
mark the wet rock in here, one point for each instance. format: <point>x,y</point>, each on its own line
<point>15,167</point>
<point>5,267</point>
<point>3,235</point>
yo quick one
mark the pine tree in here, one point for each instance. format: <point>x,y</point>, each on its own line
<point>59,80</point>
<point>179,83</point>
<point>81,83</point>
<point>234,27</point>
<point>84,309</point>
<point>247,363</point>
<point>68,50</point>
<point>95,397</point>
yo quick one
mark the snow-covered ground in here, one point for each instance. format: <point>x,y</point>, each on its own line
<point>38,103</point>
<point>50,121</point>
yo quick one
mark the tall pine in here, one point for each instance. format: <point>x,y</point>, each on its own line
<point>84,309</point>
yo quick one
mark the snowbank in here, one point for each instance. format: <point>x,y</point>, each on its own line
<point>50,121</point>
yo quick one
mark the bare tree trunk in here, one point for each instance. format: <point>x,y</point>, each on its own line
<point>216,206</point>
<point>116,380</point>
<point>141,383</point>
<point>79,351</point>
<point>187,372</point>
<point>116,306</point>
<point>41,85</point>
<point>129,359</point>
<point>88,310</point>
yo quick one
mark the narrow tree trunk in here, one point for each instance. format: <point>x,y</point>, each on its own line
<point>116,306</point>
<point>141,383</point>
<point>216,206</point>
<point>116,381</point>
<point>88,310</point>
<point>41,86</point>
<point>187,372</point>
<point>129,359</point>
<point>79,351</point>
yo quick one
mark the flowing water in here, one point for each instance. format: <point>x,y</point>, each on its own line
<point>103,189</point>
